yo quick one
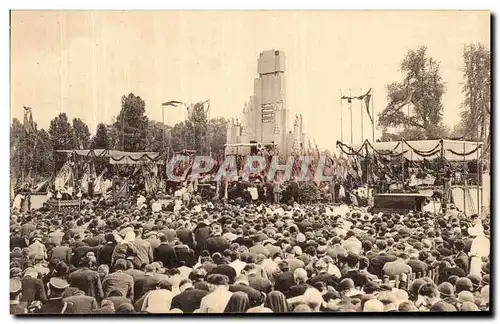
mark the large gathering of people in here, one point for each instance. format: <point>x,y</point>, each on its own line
<point>244,256</point>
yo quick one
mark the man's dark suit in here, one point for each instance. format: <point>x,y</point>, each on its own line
<point>189,300</point>
<point>166,254</point>
<point>105,253</point>
<point>82,304</point>
<point>144,285</point>
<point>87,281</point>
<point>284,281</point>
<point>377,263</point>
<point>328,279</point>
<point>185,236</point>
<point>417,266</point>
<point>255,296</point>
<point>32,289</point>
<point>217,244</point>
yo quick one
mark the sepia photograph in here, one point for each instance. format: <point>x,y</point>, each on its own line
<point>250,162</point>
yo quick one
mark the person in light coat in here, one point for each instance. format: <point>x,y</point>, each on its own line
<point>480,247</point>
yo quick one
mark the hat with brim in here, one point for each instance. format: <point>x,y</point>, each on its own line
<point>58,283</point>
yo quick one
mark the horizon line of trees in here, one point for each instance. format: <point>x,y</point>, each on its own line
<point>33,154</point>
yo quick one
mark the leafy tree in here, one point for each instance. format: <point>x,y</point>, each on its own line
<point>476,87</point>
<point>101,139</point>
<point>61,133</point>
<point>217,130</point>
<point>423,86</point>
<point>131,124</point>
<point>81,134</point>
<point>157,136</point>
<point>61,138</point>
<point>30,154</point>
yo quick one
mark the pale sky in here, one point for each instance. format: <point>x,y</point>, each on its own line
<point>82,62</point>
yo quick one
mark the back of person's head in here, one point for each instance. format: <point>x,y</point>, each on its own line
<point>164,284</point>
<point>459,245</point>
<point>300,275</point>
<point>414,288</point>
<point>366,245</point>
<point>84,262</point>
<point>381,244</point>
<point>373,305</point>
<point>469,307</point>
<point>120,264</point>
<point>218,280</point>
<point>352,260</point>
<point>407,306</point>
<point>463,284</point>
<point>346,284</point>
<point>428,290</point>
<point>446,289</point>
<point>441,307</point>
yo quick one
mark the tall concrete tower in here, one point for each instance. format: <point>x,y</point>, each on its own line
<point>268,104</point>
<point>265,116</point>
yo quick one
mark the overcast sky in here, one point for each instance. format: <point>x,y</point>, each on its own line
<point>82,62</point>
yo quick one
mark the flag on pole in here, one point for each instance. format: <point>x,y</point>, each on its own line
<point>366,98</point>
<point>349,99</point>
<point>29,127</point>
<point>172,103</point>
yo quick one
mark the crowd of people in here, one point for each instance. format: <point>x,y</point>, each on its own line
<point>239,256</point>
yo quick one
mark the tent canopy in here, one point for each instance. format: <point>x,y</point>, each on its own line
<point>117,157</point>
<point>428,149</point>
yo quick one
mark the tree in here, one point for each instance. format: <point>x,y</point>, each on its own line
<point>476,87</point>
<point>101,139</point>
<point>192,133</point>
<point>131,124</point>
<point>30,153</point>
<point>156,136</point>
<point>421,90</point>
<point>81,134</point>
<point>217,130</point>
<point>61,133</point>
<point>61,138</point>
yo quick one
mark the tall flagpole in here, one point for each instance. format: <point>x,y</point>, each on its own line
<point>361,106</point>
<point>373,117</point>
<point>341,122</point>
<point>350,108</point>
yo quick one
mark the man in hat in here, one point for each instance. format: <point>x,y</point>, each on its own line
<point>15,298</point>
<point>56,304</point>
